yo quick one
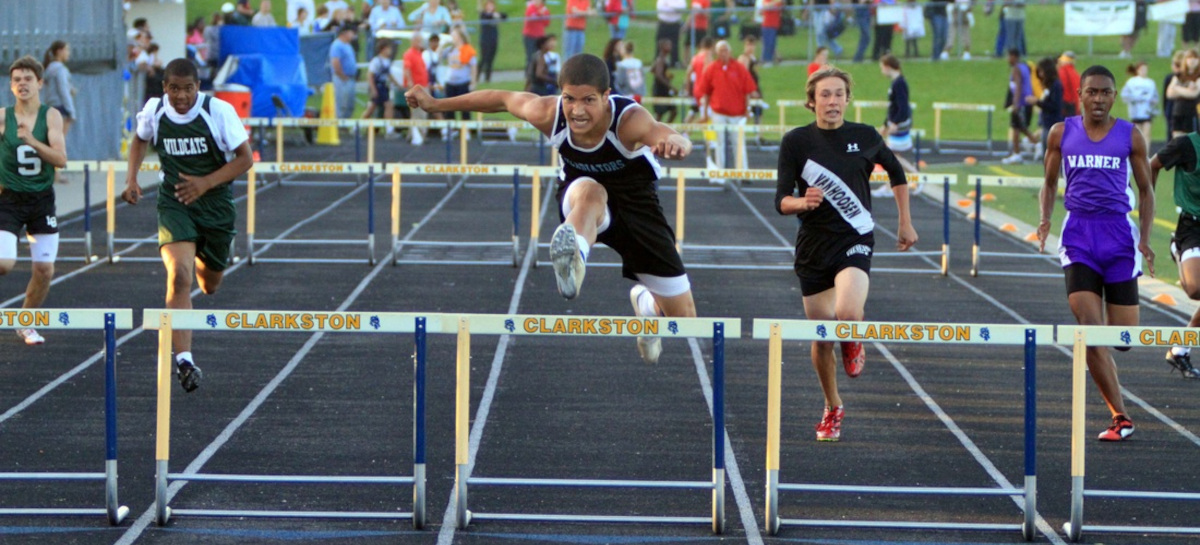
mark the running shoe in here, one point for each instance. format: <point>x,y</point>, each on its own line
<point>567,260</point>
<point>30,336</point>
<point>1121,428</point>
<point>1014,159</point>
<point>854,358</point>
<point>1182,362</point>
<point>189,375</point>
<point>649,347</point>
<point>830,428</point>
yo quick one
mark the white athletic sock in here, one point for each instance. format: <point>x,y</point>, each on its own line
<point>583,246</point>
<point>646,304</point>
<point>1180,351</point>
<point>183,356</point>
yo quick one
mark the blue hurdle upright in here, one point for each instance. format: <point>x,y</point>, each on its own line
<point>85,319</point>
<point>992,335</point>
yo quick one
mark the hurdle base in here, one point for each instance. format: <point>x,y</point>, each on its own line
<point>900,525</point>
<point>221,513</point>
<point>606,519</point>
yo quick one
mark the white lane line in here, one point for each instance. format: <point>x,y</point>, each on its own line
<point>740,494</point>
<point>147,517</point>
<point>449,526</point>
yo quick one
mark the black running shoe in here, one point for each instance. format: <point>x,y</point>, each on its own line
<point>189,375</point>
<point>1184,364</point>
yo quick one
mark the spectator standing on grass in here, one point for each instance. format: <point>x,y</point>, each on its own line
<point>724,90</point>
<point>823,178</point>
<point>883,34</point>
<point>32,146</point>
<point>386,15</point>
<point>695,28</point>
<point>462,66</point>
<point>537,18</point>
<point>611,56</point>
<point>670,20</point>
<point>489,37</point>
<point>431,17</point>
<point>914,29</point>
<point>416,73</point>
<point>961,19</point>
<point>243,14</point>
<point>772,19</point>
<point>661,69</point>
<point>212,38</point>
<point>1191,24</point>
<point>1014,25</point>
<point>575,26</point>
<point>344,66</point>
<point>264,18</point>
<point>293,11</point>
<point>1181,154</point>
<point>820,60</point>
<point>862,17</point>
<point>619,12</point>
<point>1140,95</point>
<point>1070,82</point>
<point>630,80</point>
<point>1139,24</point>
<point>749,59</point>
<point>1168,104</point>
<point>59,92</point>
<point>544,81</point>
<point>696,67</point>
<point>1099,244</point>
<point>202,147</point>
<point>195,41</point>
<point>323,19</point>
<point>1051,103</point>
<point>939,24</point>
<point>1184,91</point>
<point>380,83</point>
<point>1020,105</point>
<point>897,124</point>
<point>1167,31</point>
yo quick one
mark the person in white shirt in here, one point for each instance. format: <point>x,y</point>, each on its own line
<point>264,18</point>
<point>294,7</point>
<point>336,5</point>
<point>1140,94</point>
<point>432,17</point>
<point>386,15</point>
<point>670,20</point>
<point>630,81</point>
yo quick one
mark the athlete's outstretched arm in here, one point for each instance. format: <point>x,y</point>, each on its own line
<point>537,110</point>
<point>1141,176</point>
<point>906,234</point>
<point>137,152</point>
<point>1049,191</point>
<point>639,127</point>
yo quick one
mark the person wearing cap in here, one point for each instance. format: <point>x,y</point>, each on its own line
<point>1070,82</point>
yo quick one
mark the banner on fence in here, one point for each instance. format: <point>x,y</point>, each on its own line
<point>1098,18</point>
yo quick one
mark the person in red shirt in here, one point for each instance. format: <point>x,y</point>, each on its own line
<point>820,59</point>
<point>1070,82</point>
<point>416,74</point>
<point>772,14</point>
<point>697,23</point>
<point>576,26</point>
<point>695,70</point>
<point>537,18</point>
<point>725,88</point>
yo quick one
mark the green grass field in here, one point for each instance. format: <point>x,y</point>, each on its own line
<point>982,80</point>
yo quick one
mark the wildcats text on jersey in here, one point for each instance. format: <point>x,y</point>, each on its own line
<point>195,145</point>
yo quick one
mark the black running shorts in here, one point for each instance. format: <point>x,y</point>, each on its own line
<point>820,256</point>
<point>32,210</point>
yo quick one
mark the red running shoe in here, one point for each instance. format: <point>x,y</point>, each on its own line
<point>1121,428</point>
<point>853,358</point>
<point>830,428</point>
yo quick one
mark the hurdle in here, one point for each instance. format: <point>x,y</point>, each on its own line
<point>168,320</point>
<point>1029,336</point>
<point>939,107</point>
<point>369,169</point>
<point>80,319</point>
<point>683,174</point>
<point>86,168</point>
<point>1079,338</point>
<point>111,168</point>
<point>573,326</point>
<point>859,105</point>
<point>977,252</point>
<point>398,170</point>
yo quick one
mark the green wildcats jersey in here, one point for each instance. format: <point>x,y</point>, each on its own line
<point>21,168</point>
<point>189,148</point>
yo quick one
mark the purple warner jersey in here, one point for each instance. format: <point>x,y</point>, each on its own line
<point>1097,172</point>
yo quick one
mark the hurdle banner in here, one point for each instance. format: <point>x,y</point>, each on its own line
<point>1029,336</point>
<point>1079,338</point>
<point>168,320</point>
<point>977,252</point>
<point>682,174</point>
<point>108,320</point>
<point>939,107</point>
<point>603,326</point>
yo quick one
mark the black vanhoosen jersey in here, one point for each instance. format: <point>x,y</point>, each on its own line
<point>839,162</point>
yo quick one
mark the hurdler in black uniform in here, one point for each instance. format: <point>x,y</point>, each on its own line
<point>838,233</point>
<point>638,230</point>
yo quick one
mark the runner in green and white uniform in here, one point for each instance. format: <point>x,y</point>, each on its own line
<point>31,147</point>
<point>202,147</point>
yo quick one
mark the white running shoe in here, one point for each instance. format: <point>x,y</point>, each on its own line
<point>569,267</point>
<point>945,55</point>
<point>966,55</point>
<point>884,190</point>
<point>648,347</point>
<point>30,336</point>
<point>1014,159</point>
